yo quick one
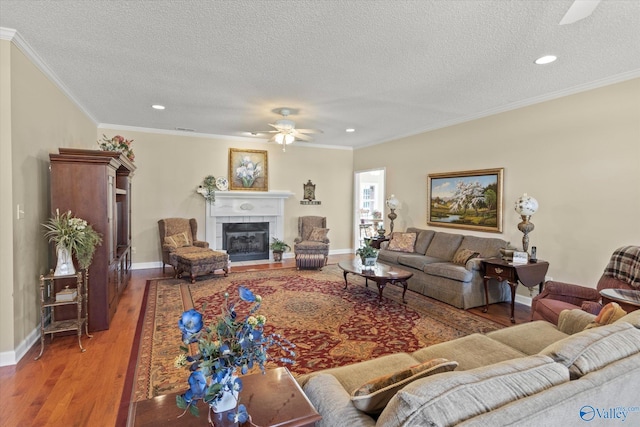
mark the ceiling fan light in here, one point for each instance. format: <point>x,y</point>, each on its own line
<point>288,139</point>
<point>279,138</point>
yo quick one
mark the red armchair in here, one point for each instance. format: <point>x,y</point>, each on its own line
<point>623,271</point>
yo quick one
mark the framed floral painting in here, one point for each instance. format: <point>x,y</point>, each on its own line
<point>248,170</point>
<point>470,200</point>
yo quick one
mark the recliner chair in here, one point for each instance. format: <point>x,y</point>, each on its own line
<point>622,272</point>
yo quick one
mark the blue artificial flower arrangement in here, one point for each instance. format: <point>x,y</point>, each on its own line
<point>223,348</point>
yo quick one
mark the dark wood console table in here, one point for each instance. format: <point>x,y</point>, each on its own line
<point>530,275</point>
<point>272,399</point>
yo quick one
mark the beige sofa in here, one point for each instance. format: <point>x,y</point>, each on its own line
<point>437,276</point>
<point>533,374</point>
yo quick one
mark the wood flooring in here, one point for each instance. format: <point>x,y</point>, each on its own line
<point>68,388</point>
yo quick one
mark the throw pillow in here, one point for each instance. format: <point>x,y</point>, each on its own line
<point>609,314</point>
<point>374,395</point>
<point>318,234</point>
<point>402,242</point>
<point>178,240</point>
<point>463,255</point>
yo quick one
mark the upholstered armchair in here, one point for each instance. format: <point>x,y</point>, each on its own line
<point>178,235</point>
<point>622,272</point>
<point>311,247</point>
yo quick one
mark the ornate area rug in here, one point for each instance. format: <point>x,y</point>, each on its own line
<point>331,326</point>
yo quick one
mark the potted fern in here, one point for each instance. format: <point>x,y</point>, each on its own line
<point>278,247</point>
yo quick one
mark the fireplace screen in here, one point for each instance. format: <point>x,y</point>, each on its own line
<point>246,240</point>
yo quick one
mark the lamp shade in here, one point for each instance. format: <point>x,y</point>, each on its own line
<point>526,205</point>
<point>392,202</point>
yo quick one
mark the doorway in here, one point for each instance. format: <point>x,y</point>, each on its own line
<point>369,204</point>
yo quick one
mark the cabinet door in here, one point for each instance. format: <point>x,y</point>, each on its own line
<point>111,217</point>
<point>112,288</point>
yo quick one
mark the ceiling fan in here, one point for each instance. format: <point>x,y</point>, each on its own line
<point>579,9</point>
<point>285,131</point>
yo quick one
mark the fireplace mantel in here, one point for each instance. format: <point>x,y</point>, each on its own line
<point>245,206</point>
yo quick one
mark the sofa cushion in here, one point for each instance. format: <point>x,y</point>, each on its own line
<point>334,403</point>
<point>423,240</point>
<point>609,314</point>
<point>487,247</point>
<point>470,352</point>
<point>593,349</point>
<point>373,396</point>
<point>444,245</point>
<point>450,398</point>
<point>416,261</point>
<point>402,242</point>
<point>463,255</point>
<point>318,234</point>
<point>529,338</point>
<point>632,318</point>
<point>353,376</point>
<point>389,256</point>
<point>449,270</point>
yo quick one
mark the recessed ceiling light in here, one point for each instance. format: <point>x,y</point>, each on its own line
<point>350,130</point>
<point>547,59</point>
<point>157,107</point>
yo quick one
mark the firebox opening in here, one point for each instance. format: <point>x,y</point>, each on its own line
<point>246,241</point>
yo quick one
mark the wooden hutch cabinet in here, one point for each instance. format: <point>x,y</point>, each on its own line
<point>96,186</point>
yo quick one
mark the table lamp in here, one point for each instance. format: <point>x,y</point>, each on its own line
<point>392,203</point>
<point>526,206</point>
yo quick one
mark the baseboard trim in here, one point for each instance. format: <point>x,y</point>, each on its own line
<point>158,264</point>
<point>523,300</point>
<point>9,358</point>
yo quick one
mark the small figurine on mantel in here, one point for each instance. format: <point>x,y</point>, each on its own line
<point>309,194</point>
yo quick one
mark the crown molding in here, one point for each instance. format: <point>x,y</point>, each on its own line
<point>14,37</point>
<point>212,136</point>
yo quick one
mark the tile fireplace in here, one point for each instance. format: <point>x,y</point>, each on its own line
<point>247,211</point>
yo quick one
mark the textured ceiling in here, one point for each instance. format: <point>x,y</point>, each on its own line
<point>386,68</point>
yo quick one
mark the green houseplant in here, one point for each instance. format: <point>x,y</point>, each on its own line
<point>72,236</point>
<point>367,254</point>
<point>278,247</point>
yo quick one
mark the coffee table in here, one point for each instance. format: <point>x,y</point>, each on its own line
<point>379,273</point>
<point>273,399</point>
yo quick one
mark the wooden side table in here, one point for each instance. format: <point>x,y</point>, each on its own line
<point>375,242</point>
<point>530,275</point>
<point>272,399</point>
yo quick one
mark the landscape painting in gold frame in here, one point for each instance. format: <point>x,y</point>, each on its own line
<point>470,200</point>
<point>248,170</point>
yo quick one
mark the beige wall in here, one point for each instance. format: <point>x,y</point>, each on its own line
<point>579,156</point>
<point>41,119</point>
<point>170,168</point>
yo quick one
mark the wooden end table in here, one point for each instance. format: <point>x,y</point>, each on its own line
<point>380,273</point>
<point>272,399</point>
<point>530,275</point>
